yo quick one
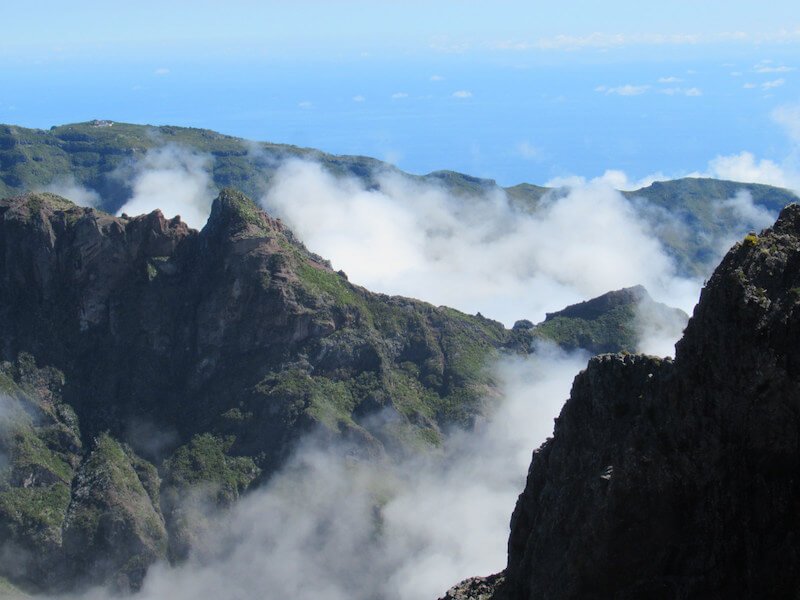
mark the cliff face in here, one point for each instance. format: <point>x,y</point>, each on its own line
<point>679,479</point>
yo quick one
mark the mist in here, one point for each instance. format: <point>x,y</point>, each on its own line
<point>7,416</point>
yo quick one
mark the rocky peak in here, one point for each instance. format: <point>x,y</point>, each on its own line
<point>613,322</point>
<point>236,214</point>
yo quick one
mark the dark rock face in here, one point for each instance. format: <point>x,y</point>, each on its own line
<point>679,479</point>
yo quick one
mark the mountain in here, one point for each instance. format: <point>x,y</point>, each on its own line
<point>612,322</point>
<point>142,361</point>
<point>676,479</point>
<point>687,215</point>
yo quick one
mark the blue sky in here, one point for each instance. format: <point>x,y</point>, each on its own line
<point>516,91</point>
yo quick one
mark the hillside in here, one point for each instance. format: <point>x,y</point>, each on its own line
<point>676,479</point>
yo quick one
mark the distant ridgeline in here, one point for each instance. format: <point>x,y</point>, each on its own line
<point>142,360</point>
<point>95,155</point>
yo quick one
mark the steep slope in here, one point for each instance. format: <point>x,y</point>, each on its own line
<point>678,479</point>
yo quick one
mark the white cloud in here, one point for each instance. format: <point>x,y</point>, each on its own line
<point>425,243</point>
<point>745,211</point>
<point>740,215</point>
<point>161,72</point>
<point>615,178</point>
<point>669,80</point>
<point>436,78</point>
<point>335,527</point>
<point>446,45</point>
<point>462,94</point>
<point>623,90</point>
<point>359,98</point>
<point>750,86</point>
<point>173,179</point>
<point>399,95</point>
<point>305,104</point>
<point>746,168</point>
<point>607,41</point>
<point>678,91</point>
<point>766,67</point>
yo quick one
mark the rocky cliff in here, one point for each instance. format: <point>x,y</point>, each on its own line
<point>677,479</point>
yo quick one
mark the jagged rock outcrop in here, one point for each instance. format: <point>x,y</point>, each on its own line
<point>679,479</point>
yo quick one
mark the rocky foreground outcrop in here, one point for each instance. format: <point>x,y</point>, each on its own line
<point>677,479</point>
